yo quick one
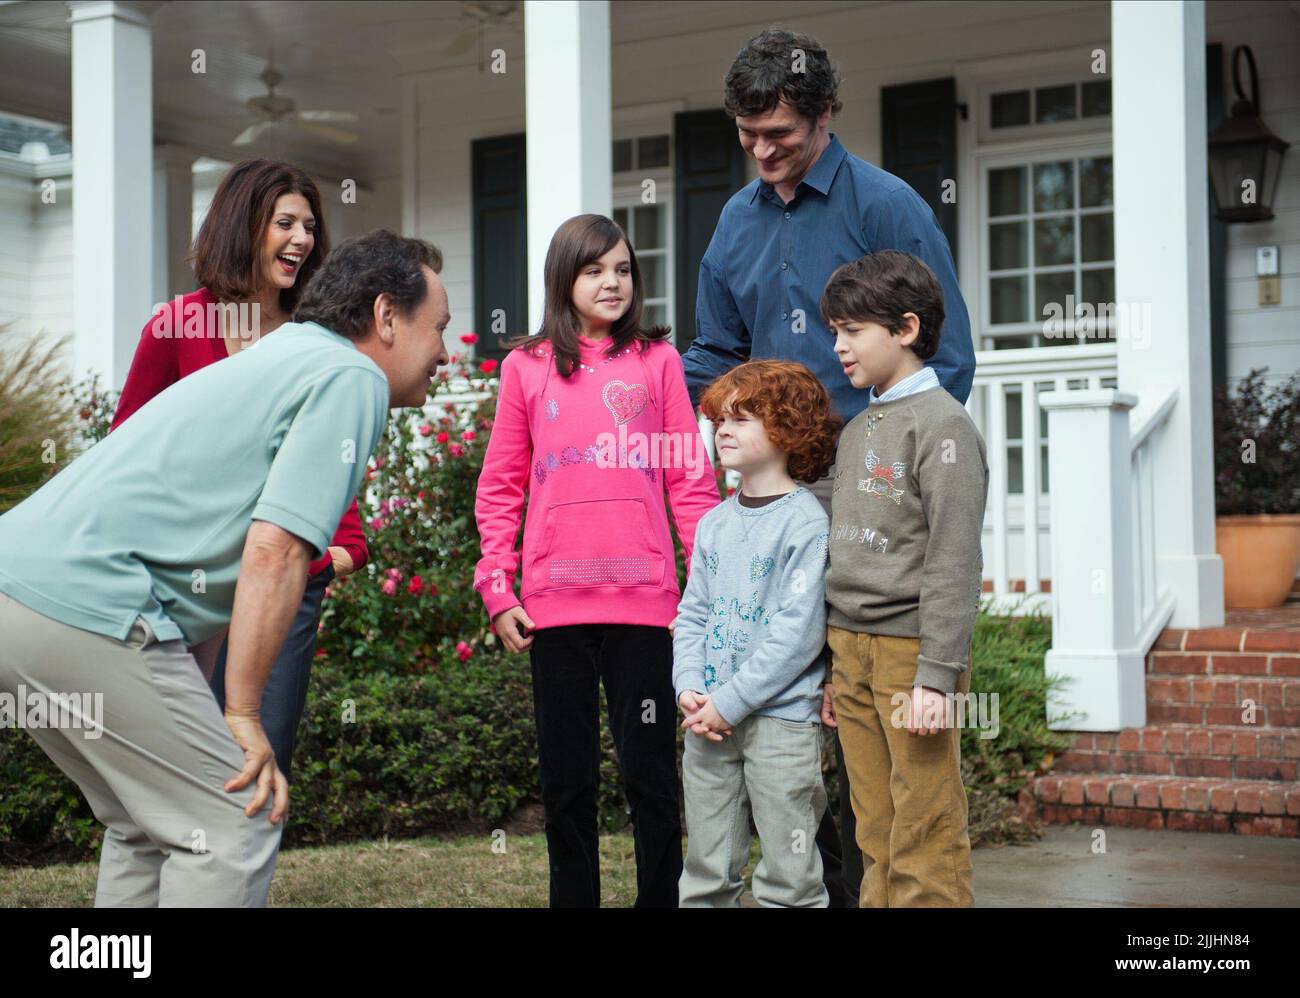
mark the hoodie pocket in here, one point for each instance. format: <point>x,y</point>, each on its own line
<point>597,542</point>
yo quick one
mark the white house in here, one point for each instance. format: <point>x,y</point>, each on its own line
<point>1062,145</point>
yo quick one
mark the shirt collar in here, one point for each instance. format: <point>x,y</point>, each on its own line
<point>819,177</point>
<point>922,380</point>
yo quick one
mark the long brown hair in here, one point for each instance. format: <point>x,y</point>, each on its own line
<point>228,247</point>
<point>581,240</point>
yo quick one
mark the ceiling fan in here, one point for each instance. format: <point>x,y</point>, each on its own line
<point>484,14</point>
<point>272,109</point>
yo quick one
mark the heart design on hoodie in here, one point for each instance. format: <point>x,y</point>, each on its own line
<point>625,401</point>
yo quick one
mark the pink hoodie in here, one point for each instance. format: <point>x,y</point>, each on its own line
<point>594,452</point>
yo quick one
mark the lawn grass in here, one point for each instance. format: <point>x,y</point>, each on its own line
<point>463,872</point>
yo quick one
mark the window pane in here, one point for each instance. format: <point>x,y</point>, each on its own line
<point>1042,469</point>
<point>1052,289</point>
<point>1095,182</point>
<point>649,223</point>
<point>1012,342</point>
<point>1007,299</point>
<point>1099,286</point>
<point>1010,109</point>
<point>1054,104</point>
<point>1012,400</point>
<point>1054,186</point>
<point>652,276</point>
<point>1097,237</point>
<point>622,155</point>
<point>1053,241</point>
<point>1007,191</point>
<point>1007,246</point>
<point>654,315</point>
<point>620,216</point>
<point>1096,99</point>
<point>1015,469</point>
<point>652,152</point>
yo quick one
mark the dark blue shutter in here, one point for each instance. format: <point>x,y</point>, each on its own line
<point>500,240</point>
<point>918,141</point>
<point>1218,229</point>
<point>709,168</point>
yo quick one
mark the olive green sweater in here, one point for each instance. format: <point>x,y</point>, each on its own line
<point>911,480</point>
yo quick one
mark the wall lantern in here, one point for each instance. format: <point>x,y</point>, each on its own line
<point>1245,156</point>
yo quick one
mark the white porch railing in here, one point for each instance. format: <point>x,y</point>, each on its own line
<point>1107,603</point>
<point>1015,522</point>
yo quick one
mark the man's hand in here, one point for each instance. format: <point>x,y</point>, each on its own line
<point>828,707</point>
<point>259,764</point>
<point>928,707</point>
<point>342,562</point>
<point>705,720</point>
<point>510,625</point>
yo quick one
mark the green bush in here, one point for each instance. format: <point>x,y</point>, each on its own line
<point>37,435</point>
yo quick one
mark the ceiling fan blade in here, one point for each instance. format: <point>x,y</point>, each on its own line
<point>463,43</point>
<point>249,135</point>
<point>326,131</point>
<point>327,116</point>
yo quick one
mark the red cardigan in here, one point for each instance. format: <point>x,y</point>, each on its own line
<point>161,361</point>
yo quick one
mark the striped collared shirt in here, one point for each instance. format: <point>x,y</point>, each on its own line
<point>923,379</point>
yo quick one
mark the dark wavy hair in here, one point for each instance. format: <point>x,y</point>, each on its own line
<point>581,240</point>
<point>793,406</point>
<point>765,72</point>
<point>880,287</point>
<point>341,296</point>
<point>226,251</point>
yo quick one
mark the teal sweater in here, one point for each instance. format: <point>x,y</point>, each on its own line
<point>752,622</point>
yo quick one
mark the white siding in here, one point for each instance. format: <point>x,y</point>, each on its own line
<point>1268,335</point>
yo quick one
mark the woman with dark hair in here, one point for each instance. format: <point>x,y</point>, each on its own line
<point>584,408</point>
<point>261,241</point>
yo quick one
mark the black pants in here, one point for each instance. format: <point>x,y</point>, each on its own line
<point>841,857</point>
<point>635,663</point>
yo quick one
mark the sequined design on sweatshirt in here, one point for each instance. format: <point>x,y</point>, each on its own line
<point>552,410</point>
<point>759,566</point>
<point>624,401</point>
<point>881,478</point>
<point>571,456</point>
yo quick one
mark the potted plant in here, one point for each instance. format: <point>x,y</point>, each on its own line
<point>1257,489</point>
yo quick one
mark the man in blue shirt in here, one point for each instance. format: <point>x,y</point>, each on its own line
<point>813,207</point>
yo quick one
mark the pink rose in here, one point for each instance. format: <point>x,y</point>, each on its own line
<point>463,651</point>
<point>443,437</point>
<point>468,435</point>
<point>376,523</point>
<point>415,585</point>
<point>456,450</point>
<point>488,366</point>
<point>425,429</point>
<point>389,587</point>
<point>469,338</point>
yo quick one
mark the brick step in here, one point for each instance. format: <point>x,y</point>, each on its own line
<point>1279,719</point>
<point>1223,691</point>
<point>1247,807</point>
<point>1242,753</point>
<point>1177,664</point>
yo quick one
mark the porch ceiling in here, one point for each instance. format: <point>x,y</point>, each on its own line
<point>333,56</point>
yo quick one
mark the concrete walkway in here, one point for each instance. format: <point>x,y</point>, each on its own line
<point>1139,869</point>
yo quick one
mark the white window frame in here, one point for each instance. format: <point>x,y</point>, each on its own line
<point>627,194</point>
<point>1042,153</point>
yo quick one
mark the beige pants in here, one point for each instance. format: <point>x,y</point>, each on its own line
<point>156,773</point>
<point>907,792</point>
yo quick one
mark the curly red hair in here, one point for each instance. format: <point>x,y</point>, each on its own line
<point>793,406</point>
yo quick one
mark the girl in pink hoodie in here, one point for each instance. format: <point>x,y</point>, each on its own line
<point>594,424</point>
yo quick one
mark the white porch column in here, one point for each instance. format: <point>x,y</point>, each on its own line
<point>112,202</point>
<point>1094,596</point>
<point>173,207</point>
<point>1162,279</point>
<point>567,100</point>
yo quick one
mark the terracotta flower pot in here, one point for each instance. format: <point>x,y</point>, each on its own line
<point>1260,554</point>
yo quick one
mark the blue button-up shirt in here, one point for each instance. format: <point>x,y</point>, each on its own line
<point>922,381</point>
<point>762,276</point>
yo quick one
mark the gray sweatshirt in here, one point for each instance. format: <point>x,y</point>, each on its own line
<point>907,509</point>
<point>752,622</point>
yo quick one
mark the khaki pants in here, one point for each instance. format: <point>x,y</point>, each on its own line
<point>907,791</point>
<point>155,775</point>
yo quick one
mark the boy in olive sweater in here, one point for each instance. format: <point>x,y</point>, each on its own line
<point>903,588</point>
